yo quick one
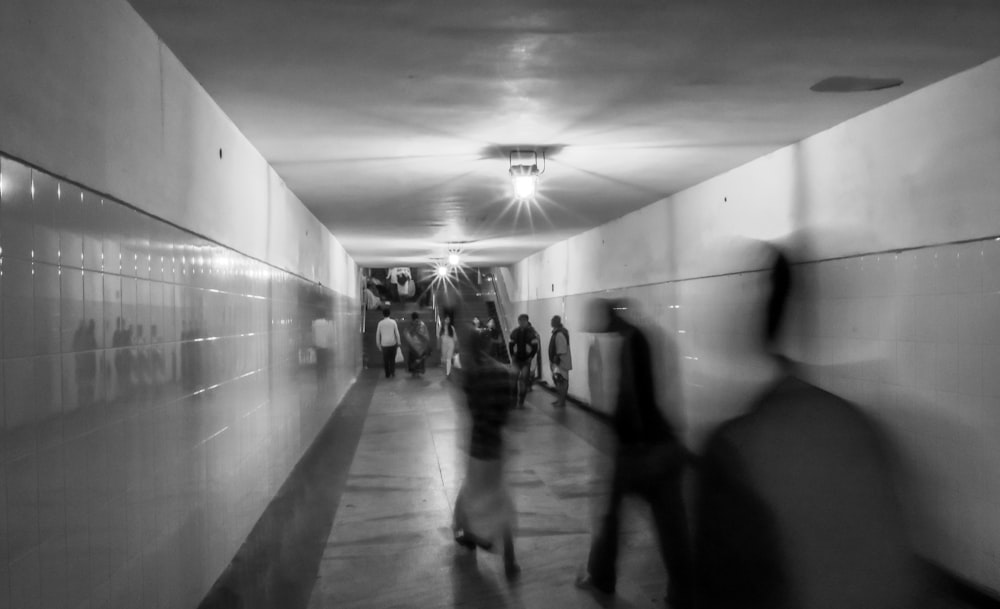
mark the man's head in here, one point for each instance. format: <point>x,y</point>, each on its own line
<point>602,315</point>
<point>522,321</point>
<point>556,321</point>
<point>386,313</point>
<point>415,316</point>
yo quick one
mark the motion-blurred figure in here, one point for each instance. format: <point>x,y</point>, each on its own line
<point>649,462</point>
<point>560,359</point>
<point>484,512</point>
<point>418,341</point>
<point>322,331</point>
<point>796,506</point>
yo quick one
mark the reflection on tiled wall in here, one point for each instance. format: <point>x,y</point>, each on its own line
<point>912,336</point>
<point>152,397</point>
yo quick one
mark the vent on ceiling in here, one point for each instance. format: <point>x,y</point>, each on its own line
<point>854,84</point>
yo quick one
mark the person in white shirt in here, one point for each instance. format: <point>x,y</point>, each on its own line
<point>387,337</point>
<point>323,344</point>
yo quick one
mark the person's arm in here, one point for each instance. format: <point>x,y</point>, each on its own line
<point>510,345</point>
<point>378,335</point>
<point>534,345</point>
<point>395,333</point>
<point>561,347</point>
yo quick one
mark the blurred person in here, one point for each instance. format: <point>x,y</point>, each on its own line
<point>560,359</point>
<point>523,346</point>
<point>477,324</point>
<point>536,364</point>
<point>322,331</point>
<point>795,507</point>
<point>496,339</point>
<point>649,462</point>
<point>387,338</point>
<point>484,511</point>
<point>418,340</point>
<point>447,339</point>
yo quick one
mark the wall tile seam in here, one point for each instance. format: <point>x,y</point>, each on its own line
<point>901,250</point>
<point>117,201</point>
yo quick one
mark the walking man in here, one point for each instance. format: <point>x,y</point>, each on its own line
<point>560,359</point>
<point>649,462</point>
<point>387,337</point>
<point>524,345</point>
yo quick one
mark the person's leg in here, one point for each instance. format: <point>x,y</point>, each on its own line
<point>523,370</point>
<point>601,572</point>
<point>510,566</point>
<point>667,505</point>
<point>562,386</point>
<point>385,361</point>
<point>392,360</point>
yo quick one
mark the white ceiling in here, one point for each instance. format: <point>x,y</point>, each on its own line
<point>390,119</point>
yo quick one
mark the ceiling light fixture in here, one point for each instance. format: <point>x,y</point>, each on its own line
<point>524,173</point>
<point>442,271</point>
<point>454,259</point>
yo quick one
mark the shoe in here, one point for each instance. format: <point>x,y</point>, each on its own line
<point>512,571</point>
<point>585,582</point>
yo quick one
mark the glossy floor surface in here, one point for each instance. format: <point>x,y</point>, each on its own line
<point>364,520</point>
<point>391,543</point>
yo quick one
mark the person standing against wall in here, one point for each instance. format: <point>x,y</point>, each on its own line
<point>560,359</point>
<point>387,337</point>
<point>524,346</point>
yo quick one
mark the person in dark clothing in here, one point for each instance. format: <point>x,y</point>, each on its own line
<point>523,346</point>
<point>484,512</point>
<point>795,504</point>
<point>649,462</point>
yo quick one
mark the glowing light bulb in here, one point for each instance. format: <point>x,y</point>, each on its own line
<point>442,271</point>
<point>453,259</point>
<point>524,187</point>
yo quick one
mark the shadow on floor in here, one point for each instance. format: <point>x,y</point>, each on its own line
<point>277,564</point>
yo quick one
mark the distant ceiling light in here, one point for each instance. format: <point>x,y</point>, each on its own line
<point>442,271</point>
<point>854,84</point>
<point>524,173</point>
<point>454,259</point>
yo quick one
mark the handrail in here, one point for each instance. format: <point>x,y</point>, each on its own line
<point>499,295</point>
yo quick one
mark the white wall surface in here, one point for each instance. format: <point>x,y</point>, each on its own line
<point>126,497</point>
<point>912,335</point>
<point>90,93</point>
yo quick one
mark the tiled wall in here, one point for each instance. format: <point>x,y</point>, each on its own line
<point>152,397</point>
<point>912,336</point>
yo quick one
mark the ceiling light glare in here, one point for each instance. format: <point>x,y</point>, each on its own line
<point>442,271</point>
<point>524,172</point>
<point>453,259</point>
<point>525,187</point>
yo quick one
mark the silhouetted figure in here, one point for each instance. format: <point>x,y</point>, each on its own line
<point>524,347</point>
<point>649,462</point>
<point>484,512</point>
<point>796,507</point>
<point>122,341</point>
<point>85,345</point>
<point>418,345</point>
